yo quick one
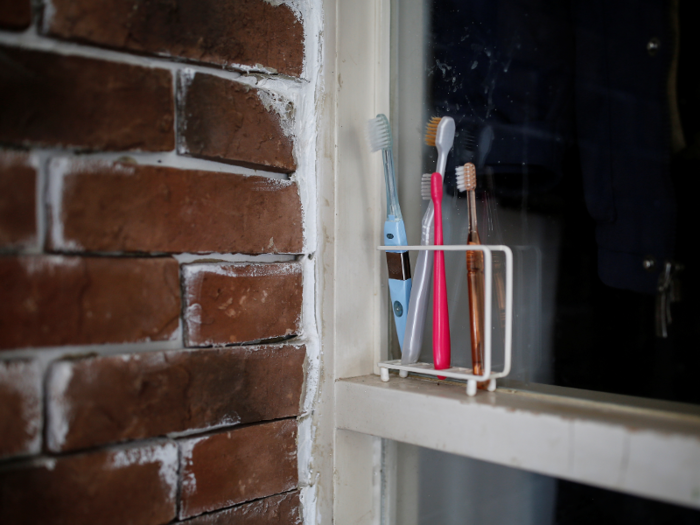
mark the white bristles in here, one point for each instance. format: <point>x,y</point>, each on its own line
<point>466,177</point>
<point>425,186</point>
<point>379,133</point>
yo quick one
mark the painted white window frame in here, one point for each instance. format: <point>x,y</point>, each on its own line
<point>642,447</point>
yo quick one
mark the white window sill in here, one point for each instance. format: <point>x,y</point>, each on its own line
<point>643,447</point>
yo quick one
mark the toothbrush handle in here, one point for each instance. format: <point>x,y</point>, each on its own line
<point>475,282</point>
<point>441,317</point>
<point>441,320</point>
<point>418,306</point>
<point>399,267</point>
<point>400,292</point>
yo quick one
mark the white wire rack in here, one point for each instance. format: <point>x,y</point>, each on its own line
<point>467,374</point>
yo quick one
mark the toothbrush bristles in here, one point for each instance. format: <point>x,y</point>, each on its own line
<point>425,186</point>
<point>466,177</point>
<point>379,133</point>
<point>431,131</point>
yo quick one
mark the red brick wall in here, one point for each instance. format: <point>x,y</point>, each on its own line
<point>152,369</point>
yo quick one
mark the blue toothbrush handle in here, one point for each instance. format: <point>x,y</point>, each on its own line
<point>400,292</point>
<point>399,268</point>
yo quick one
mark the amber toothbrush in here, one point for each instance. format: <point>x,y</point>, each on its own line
<point>466,181</point>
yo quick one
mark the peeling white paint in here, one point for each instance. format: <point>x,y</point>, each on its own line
<point>59,414</point>
<point>34,265</point>
<point>307,98</point>
<point>183,82</point>
<point>189,480</point>
<point>294,5</point>
<point>47,15</point>
<point>164,453</point>
<point>188,258</point>
<point>275,103</point>
<point>48,463</point>
<point>57,169</point>
<point>195,271</point>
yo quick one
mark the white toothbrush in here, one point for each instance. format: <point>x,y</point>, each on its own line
<point>440,133</point>
<point>415,323</point>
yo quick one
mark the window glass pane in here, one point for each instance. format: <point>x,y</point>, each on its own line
<point>433,487</point>
<point>583,121</point>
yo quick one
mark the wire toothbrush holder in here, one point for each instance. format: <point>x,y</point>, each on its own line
<point>490,376</point>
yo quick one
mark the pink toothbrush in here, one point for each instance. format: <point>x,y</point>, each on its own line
<point>441,317</point>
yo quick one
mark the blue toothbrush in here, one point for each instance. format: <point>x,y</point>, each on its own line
<point>394,230</point>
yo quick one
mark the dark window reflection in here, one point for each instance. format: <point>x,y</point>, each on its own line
<point>586,114</point>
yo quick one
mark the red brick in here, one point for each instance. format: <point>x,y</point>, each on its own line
<point>238,303</point>
<point>107,399</point>
<point>56,300</point>
<point>135,485</point>
<point>15,14</point>
<point>125,207</point>
<point>283,509</point>
<point>221,470</point>
<point>228,32</point>
<point>227,122</point>
<point>55,100</point>
<point>20,408</point>
<point>17,200</point>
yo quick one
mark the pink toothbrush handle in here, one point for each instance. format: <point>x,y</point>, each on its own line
<point>441,317</point>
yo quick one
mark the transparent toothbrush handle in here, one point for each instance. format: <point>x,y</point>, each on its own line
<point>418,305</point>
<point>475,274</point>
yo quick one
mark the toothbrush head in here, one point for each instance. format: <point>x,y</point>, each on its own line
<point>436,186</point>
<point>445,135</point>
<point>425,186</point>
<point>431,131</point>
<point>440,132</point>
<point>466,177</point>
<point>379,133</point>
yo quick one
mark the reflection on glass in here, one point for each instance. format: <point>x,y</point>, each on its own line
<point>583,121</point>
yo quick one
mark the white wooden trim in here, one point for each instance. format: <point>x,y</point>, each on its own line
<point>637,446</point>
<point>651,452</point>
<point>360,322</point>
<point>351,281</point>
